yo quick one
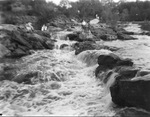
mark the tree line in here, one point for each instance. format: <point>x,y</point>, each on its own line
<point>106,10</point>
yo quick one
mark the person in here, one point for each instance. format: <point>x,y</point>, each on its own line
<point>84,25</point>
<point>29,26</point>
<point>44,28</point>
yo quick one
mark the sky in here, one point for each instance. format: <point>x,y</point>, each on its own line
<point>58,1</point>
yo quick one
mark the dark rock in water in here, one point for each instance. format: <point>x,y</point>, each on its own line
<point>8,72</point>
<point>74,37</point>
<point>63,46</point>
<point>109,60</point>
<point>126,72</point>
<point>131,93</point>
<point>80,47</point>
<point>91,45</point>
<point>108,37</point>
<point>122,36</point>
<point>123,31</point>
<point>25,78</point>
<point>130,90</point>
<point>43,33</point>
<point>114,62</point>
<point>132,112</point>
<point>125,62</point>
<point>100,69</point>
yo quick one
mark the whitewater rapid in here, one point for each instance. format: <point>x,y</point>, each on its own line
<point>74,92</point>
<point>69,86</point>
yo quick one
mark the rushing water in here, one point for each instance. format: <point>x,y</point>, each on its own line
<point>75,91</point>
<point>138,50</point>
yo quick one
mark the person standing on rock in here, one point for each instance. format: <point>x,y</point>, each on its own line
<point>29,26</point>
<point>44,28</point>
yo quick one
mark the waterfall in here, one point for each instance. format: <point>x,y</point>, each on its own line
<point>90,56</point>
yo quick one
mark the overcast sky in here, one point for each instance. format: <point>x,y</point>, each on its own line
<point>57,1</point>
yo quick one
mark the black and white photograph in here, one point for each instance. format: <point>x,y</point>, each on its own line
<point>75,58</point>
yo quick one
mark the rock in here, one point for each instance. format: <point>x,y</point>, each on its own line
<point>125,72</point>
<point>112,63</point>
<point>18,43</point>
<point>125,62</point>
<point>91,45</point>
<point>131,93</point>
<point>131,88</point>
<point>132,112</point>
<point>123,31</point>
<point>108,37</point>
<point>80,47</point>
<point>43,33</point>
<point>55,85</point>
<point>108,61</point>
<point>122,36</point>
<point>53,29</point>
<point>3,51</point>
<point>63,46</point>
<point>25,78</point>
<point>103,33</point>
<point>74,37</point>
<point>18,53</point>
<point>8,72</point>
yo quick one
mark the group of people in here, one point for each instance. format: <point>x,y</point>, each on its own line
<point>29,27</point>
<point>84,24</point>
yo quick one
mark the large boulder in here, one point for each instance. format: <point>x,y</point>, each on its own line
<point>17,42</point>
<point>91,45</point>
<point>108,60</point>
<point>132,112</point>
<point>122,36</point>
<point>104,33</point>
<point>112,62</point>
<point>80,47</point>
<point>131,93</point>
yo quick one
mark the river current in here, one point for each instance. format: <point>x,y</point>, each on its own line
<point>76,92</point>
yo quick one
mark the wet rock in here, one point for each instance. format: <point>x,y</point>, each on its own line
<point>53,28</point>
<point>55,85</point>
<point>108,37</point>
<point>131,93</point>
<point>132,112</point>
<point>112,63</point>
<point>91,45</point>
<point>123,31</point>
<point>125,72</point>
<point>74,37</point>
<point>25,78</point>
<point>109,60</point>
<point>104,33</point>
<point>131,88</point>
<point>63,46</point>
<point>43,33</point>
<point>80,47</point>
<point>125,62</point>
<point>122,36</point>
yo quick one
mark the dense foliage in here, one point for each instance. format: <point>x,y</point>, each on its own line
<point>43,12</point>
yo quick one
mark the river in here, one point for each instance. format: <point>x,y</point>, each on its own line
<point>76,92</point>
